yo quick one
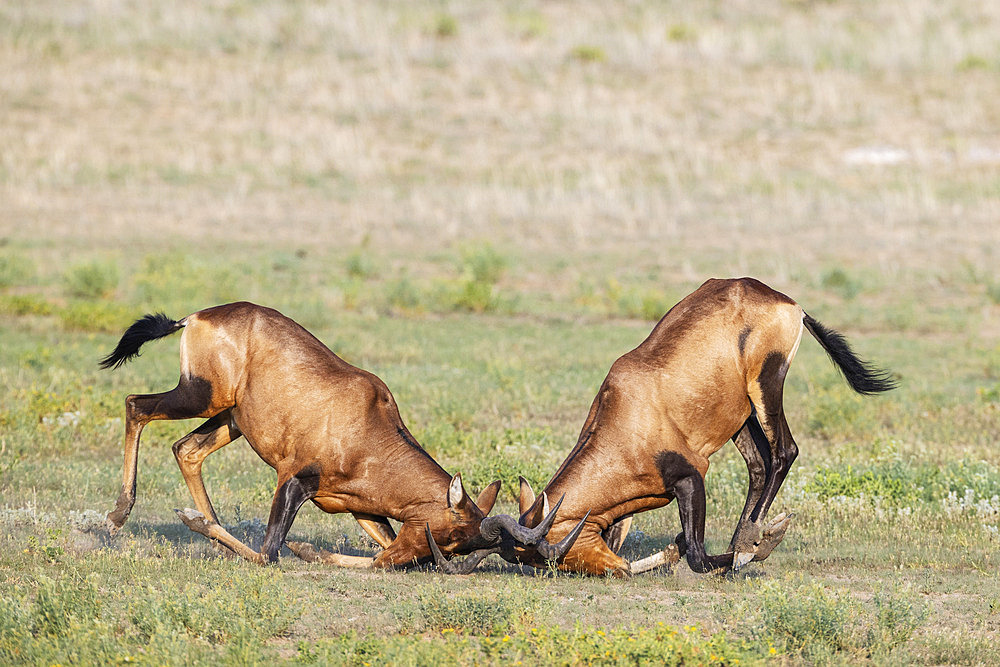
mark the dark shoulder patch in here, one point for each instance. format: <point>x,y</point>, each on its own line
<point>672,467</point>
<point>743,338</point>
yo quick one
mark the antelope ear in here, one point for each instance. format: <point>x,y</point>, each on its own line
<point>526,497</point>
<point>456,492</point>
<point>488,497</point>
<point>538,511</point>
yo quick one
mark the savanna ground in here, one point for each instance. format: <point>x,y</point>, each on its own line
<point>486,204</point>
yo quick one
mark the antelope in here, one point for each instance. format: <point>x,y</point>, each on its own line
<point>712,370</point>
<point>331,431</point>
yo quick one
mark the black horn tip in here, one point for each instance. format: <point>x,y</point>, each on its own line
<point>542,529</point>
<point>462,567</point>
<point>439,558</point>
<point>558,550</point>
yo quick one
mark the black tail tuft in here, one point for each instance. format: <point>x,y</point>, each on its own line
<point>147,328</point>
<point>863,377</point>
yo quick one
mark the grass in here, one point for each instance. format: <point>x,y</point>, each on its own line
<point>485,205</point>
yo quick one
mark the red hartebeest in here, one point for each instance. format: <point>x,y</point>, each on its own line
<point>711,370</point>
<point>331,431</point>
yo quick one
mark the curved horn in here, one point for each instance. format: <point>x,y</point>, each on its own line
<point>460,567</point>
<point>556,551</point>
<point>492,526</point>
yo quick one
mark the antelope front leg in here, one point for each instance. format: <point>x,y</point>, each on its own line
<point>201,524</point>
<point>402,551</point>
<point>288,498</point>
<point>311,554</point>
<point>666,558</point>
<point>690,494</point>
<point>377,527</point>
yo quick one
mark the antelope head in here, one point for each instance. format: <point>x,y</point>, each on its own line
<point>517,541</point>
<point>455,528</point>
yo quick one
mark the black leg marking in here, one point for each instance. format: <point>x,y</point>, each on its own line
<point>782,447</point>
<point>690,493</point>
<point>756,451</point>
<point>287,500</point>
<point>683,482</point>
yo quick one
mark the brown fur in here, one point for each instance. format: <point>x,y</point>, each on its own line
<point>331,431</point>
<point>712,369</point>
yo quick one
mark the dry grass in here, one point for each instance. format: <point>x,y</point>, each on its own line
<point>686,128</point>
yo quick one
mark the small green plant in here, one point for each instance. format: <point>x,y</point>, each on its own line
<point>483,264</point>
<point>25,304</point>
<point>247,608</point>
<point>60,604</point>
<point>839,281</point>
<point>445,26</point>
<point>681,32</point>
<point>361,265</point>
<point>993,291</point>
<point>893,483</point>
<point>175,281</point>
<point>898,613</point>
<point>974,62</point>
<point>588,53</point>
<point>528,24</point>
<point>91,280</point>
<point>104,316</point>
<point>483,470</point>
<point>816,622</point>
<point>15,270</point>
<point>403,295</point>
<point>482,268</point>
<point>47,547</point>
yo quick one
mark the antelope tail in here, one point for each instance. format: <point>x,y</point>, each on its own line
<point>863,377</point>
<point>143,330</point>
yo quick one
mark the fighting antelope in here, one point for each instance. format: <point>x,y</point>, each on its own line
<point>711,370</point>
<point>331,431</point>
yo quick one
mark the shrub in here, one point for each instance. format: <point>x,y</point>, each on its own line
<point>474,611</point>
<point>589,53</point>
<point>898,613</point>
<point>361,265</point>
<point>246,609</point>
<point>445,26</point>
<point>402,295</point>
<point>817,622</point>
<point>15,270</point>
<point>96,316</point>
<point>837,280</point>
<point>24,304</point>
<point>59,604</point>
<point>91,280</point>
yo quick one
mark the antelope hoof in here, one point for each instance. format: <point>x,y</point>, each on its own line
<point>116,517</point>
<point>773,533</point>
<point>672,554</point>
<point>195,520</point>
<point>741,558</point>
